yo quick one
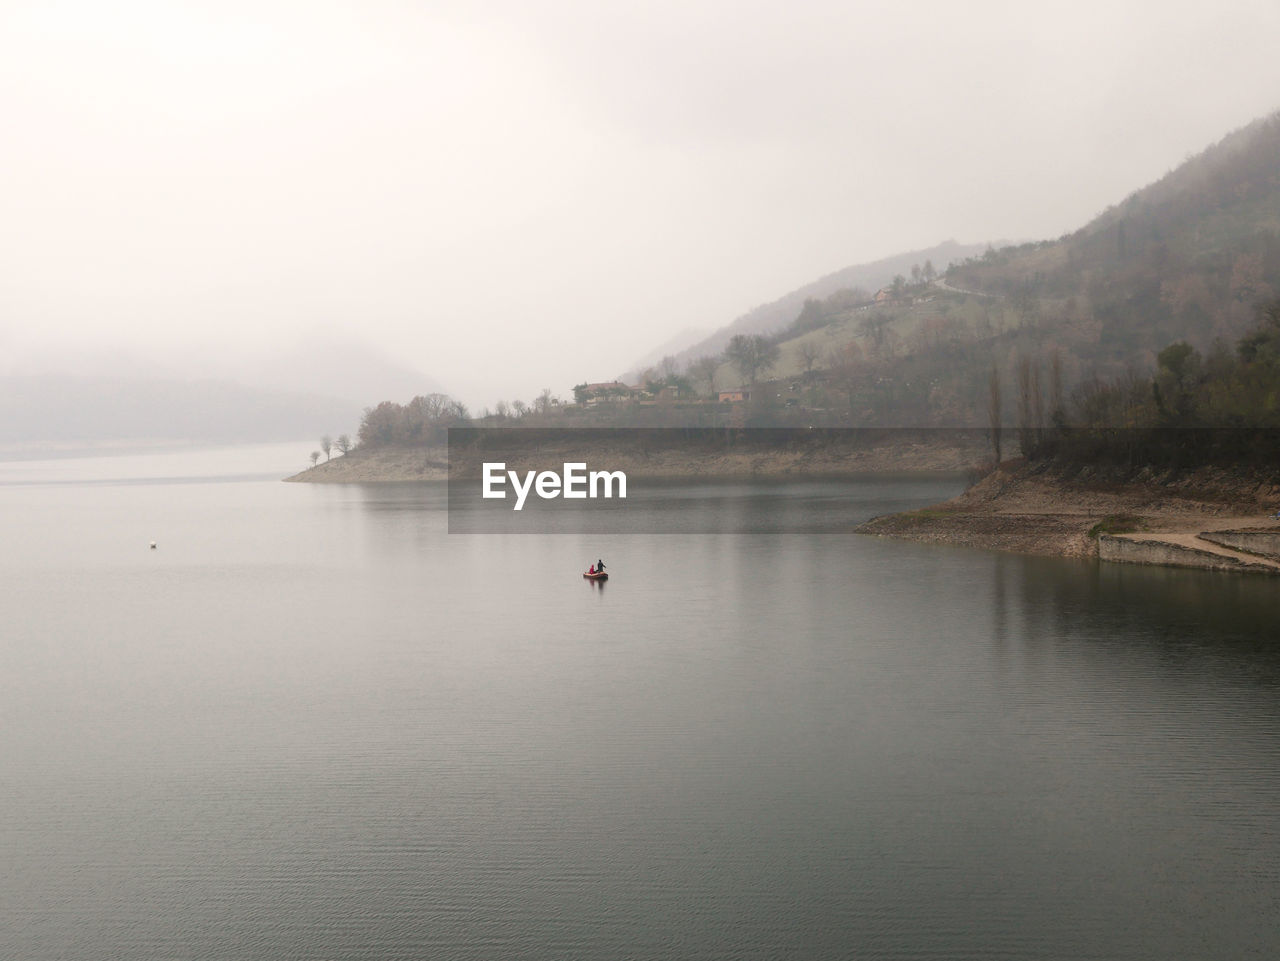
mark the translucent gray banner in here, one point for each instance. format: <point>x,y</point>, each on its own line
<point>676,480</point>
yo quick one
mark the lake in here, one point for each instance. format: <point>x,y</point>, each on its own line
<point>312,724</point>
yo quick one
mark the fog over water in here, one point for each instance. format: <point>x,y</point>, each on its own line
<point>466,191</point>
<point>312,724</point>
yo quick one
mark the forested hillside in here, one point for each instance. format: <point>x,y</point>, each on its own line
<point>1186,258</point>
<point>776,315</point>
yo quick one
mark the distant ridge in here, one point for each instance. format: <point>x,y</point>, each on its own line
<point>333,367</point>
<point>781,312</point>
<point>316,386</point>
<point>58,409</point>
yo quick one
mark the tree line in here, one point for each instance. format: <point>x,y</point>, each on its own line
<point>1222,407</point>
<point>425,420</point>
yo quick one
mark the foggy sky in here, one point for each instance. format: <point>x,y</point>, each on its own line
<point>510,196</point>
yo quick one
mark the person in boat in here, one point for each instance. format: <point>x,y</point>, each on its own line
<point>599,567</point>
<point>591,569</point>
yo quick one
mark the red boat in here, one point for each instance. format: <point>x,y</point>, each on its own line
<point>601,576</point>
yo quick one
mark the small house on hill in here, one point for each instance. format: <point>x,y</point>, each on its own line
<point>604,392</point>
<point>735,396</point>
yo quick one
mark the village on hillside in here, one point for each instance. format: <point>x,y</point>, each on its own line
<point>767,367</point>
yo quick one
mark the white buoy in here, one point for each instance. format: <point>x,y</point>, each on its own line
<point>153,545</point>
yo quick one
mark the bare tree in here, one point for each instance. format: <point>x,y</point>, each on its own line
<point>315,456</point>
<point>703,370</point>
<point>1030,404</point>
<point>326,445</point>
<point>344,444</point>
<point>994,407</point>
<point>848,373</point>
<point>809,352</point>
<point>1057,411</point>
<point>433,405</point>
<point>876,327</point>
<point>1037,405</point>
<point>1023,371</point>
<point>752,355</point>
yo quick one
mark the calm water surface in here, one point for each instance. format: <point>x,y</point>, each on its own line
<point>314,725</point>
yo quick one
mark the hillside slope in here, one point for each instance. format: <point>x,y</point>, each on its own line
<point>1187,257</point>
<point>776,315</point>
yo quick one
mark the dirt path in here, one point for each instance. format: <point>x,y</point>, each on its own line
<point>1192,540</point>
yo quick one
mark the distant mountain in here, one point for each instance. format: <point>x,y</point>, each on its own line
<point>318,386</point>
<point>342,369</point>
<point>776,315</point>
<point>62,409</point>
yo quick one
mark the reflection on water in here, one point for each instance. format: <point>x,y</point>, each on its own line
<point>1170,611</point>
<point>313,724</point>
<point>657,506</point>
